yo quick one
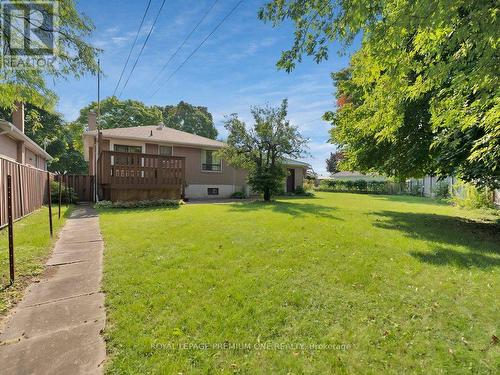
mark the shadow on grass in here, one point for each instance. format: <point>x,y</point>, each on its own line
<point>409,199</point>
<point>288,207</point>
<point>482,240</point>
<point>442,256</point>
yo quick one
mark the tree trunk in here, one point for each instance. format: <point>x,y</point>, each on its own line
<point>267,195</point>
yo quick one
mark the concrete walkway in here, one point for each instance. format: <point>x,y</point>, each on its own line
<point>56,328</point>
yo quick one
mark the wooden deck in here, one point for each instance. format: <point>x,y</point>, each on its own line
<point>133,176</point>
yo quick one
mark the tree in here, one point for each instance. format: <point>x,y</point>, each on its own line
<point>262,149</point>
<point>117,113</point>
<point>71,160</point>
<point>422,89</point>
<point>74,55</point>
<point>332,163</point>
<point>62,141</point>
<point>189,118</point>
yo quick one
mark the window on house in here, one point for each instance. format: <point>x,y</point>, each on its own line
<point>125,159</point>
<point>213,191</point>
<point>210,161</point>
<point>166,150</point>
<point>126,148</point>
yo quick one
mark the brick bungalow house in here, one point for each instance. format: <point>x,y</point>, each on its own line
<point>206,175</point>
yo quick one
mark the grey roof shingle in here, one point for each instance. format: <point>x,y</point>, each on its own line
<point>159,134</point>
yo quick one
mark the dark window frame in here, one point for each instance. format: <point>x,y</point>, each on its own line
<point>128,147</point>
<point>212,191</point>
<point>164,147</point>
<point>209,166</point>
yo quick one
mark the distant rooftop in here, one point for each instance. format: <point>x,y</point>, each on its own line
<point>351,175</point>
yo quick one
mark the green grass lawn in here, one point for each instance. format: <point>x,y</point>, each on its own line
<point>338,283</point>
<point>32,245</point>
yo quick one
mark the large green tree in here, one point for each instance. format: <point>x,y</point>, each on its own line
<point>61,140</point>
<point>189,118</point>
<point>74,54</point>
<point>116,113</point>
<point>421,94</point>
<point>262,148</point>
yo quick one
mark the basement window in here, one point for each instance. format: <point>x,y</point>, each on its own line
<point>213,191</point>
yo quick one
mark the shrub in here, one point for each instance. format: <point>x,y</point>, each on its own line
<point>361,185</point>
<point>140,204</point>
<point>416,189</point>
<point>238,195</point>
<point>67,195</point>
<point>356,186</point>
<point>468,196</point>
<point>442,190</point>
<point>308,184</point>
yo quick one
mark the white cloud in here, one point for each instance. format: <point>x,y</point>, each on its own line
<point>120,40</point>
<point>250,49</point>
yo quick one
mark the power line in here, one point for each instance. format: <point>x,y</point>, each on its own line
<point>186,39</point>
<point>132,48</point>
<point>192,53</point>
<point>143,46</point>
<point>199,45</point>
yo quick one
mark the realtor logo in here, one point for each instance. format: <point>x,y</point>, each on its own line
<point>28,34</point>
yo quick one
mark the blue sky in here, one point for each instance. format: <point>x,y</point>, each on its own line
<point>235,69</point>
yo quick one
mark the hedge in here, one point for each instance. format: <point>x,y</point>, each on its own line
<point>362,186</point>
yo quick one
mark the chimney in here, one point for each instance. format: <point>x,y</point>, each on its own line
<point>18,116</point>
<point>92,121</point>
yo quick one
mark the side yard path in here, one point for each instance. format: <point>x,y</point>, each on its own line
<point>56,328</point>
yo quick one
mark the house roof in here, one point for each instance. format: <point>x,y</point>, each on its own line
<point>156,133</point>
<point>296,163</point>
<point>15,133</point>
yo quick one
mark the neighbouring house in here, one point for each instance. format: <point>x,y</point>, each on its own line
<point>146,162</point>
<point>25,164</point>
<point>17,146</point>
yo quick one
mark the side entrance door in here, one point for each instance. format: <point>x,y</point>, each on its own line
<point>290,181</point>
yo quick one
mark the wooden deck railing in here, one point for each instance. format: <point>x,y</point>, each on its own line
<point>140,171</point>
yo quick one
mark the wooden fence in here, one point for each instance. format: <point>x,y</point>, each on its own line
<point>29,189</point>
<point>82,186</point>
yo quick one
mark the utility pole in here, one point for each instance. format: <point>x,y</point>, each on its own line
<point>98,144</point>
